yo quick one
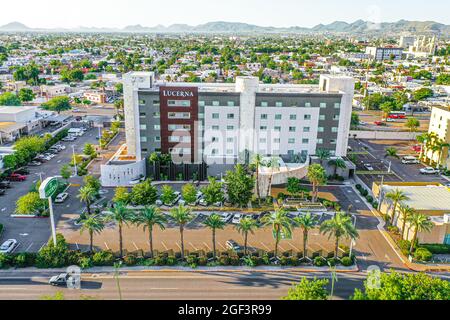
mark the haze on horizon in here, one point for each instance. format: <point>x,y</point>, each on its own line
<point>277,13</point>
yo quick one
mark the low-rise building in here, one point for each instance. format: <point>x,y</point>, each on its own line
<point>384,53</point>
<point>95,96</point>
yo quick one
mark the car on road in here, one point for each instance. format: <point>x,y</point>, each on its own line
<point>35,163</point>
<point>226,217</point>
<point>60,198</point>
<point>8,246</point>
<point>2,192</point>
<point>429,170</point>
<point>379,123</point>
<point>59,280</point>
<point>236,218</point>
<point>368,166</point>
<point>17,177</point>
<point>410,160</point>
<point>233,245</point>
<point>5,184</point>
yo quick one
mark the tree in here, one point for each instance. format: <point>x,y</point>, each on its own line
<point>391,152</point>
<point>93,225</point>
<point>58,104</point>
<point>94,183</point>
<point>9,99</point>
<point>412,124</point>
<point>387,108</point>
<point>167,195</point>
<point>355,119</point>
<point>396,196</point>
<point>422,94</point>
<point>443,79</point>
<point>87,194</point>
<point>121,215</point>
<point>30,203</point>
<point>317,176</point>
<point>281,225</point>
<point>181,216</point>
<point>245,226</point>
<point>26,95</point>
<point>66,172</point>
<point>89,150</point>
<point>214,222</point>
<point>306,222</point>
<point>420,223</point>
<point>338,163</point>
<point>74,75</point>
<point>339,227</point>
<point>239,186</point>
<point>294,186</point>
<point>274,165</point>
<point>122,195</point>
<point>406,212</point>
<point>257,162</point>
<point>189,193</point>
<point>149,218</point>
<point>440,145</point>
<point>323,155</point>
<point>314,289</point>
<point>213,192</point>
<point>410,286</point>
<point>144,194</point>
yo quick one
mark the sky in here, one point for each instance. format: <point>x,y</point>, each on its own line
<point>278,13</point>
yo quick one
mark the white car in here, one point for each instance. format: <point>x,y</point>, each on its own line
<point>136,181</point>
<point>203,202</point>
<point>8,246</point>
<point>236,218</point>
<point>368,166</point>
<point>410,160</point>
<point>226,217</point>
<point>429,170</point>
<point>60,198</point>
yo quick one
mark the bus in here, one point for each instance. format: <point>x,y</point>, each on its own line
<point>397,115</point>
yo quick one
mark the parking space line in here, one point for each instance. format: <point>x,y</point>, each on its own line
<point>76,243</point>
<point>190,243</point>
<point>266,247</point>
<point>176,242</point>
<point>206,245</point>
<point>222,246</point>
<point>164,245</point>
<point>42,246</point>
<point>250,245</point>
<point>282,248</point>
<point>294,247</point>
<point>322,247</point>
<point>28,248</point>
<point>134,244</point>
<point>106,245</point>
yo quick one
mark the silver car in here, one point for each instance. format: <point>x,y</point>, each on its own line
<point>8,246</point>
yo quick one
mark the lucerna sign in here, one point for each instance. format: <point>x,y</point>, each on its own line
<point>182,94</point>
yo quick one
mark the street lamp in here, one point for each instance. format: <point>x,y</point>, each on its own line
<point>74,160</point>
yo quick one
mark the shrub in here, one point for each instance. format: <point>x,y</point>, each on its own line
<point>103,258</point>
<point>24,259</point>
<point>130,260</point>
<point>346,261</point>
<point>51,256</point>
<point>358,187</point>
<point>320,262</point>
<point>191,260</point>
<point>423,254</point>
<point>160,261</point>
<point>202,261</point>
<point>332,262</point>
<point>369,199</point>
<point>224,261</point>
<point>1,228</point>
<point>393,229</point>
<point>5,261</point>
<point>284,261</point>
<point>437,248</point>
<point>171,261</point>
<point>85,262</point>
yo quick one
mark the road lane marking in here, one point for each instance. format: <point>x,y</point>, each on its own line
<point>3,209</point>
<point>193,246</point>
<point>134,244</point>
<point>164,245</point>
<point>106,245</point>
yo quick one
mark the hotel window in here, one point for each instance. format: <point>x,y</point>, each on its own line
<point>156,115</point>
<point>333,141</point>
<point>230,103</point>
<point>307,104</point>
<point>215,116</point>
<point>156,103</point>
<point>305,141</point>
<point>143,127</point>
<point>320,129</point>
<point>293,117</point>
<point>157,139</point>
<point>337,105</point>
<point>143,139</point>
<point>230,140</point>
<point>141,102</point>
<point>277,129</point>
<point>216,103</point>
<point>276,140</point>
<point>174,139</point>
<point>215,128</point>
<point>230,128</point>
<point>306,129</point>
<point>336,117</point>
<point>263,116</point>
<point>262,140</point>
<point>322,117</point>
<point>323,105</point>
<point>201,116</point>
<point>157,127</point>
<point>179,115</point>
<point>214,139</point>
<point>230,151</point>
<point>230,116</point>
<point>278,117</point>
<point>291,152</point>
<point>264,104</point>
<point>307,117</point>
<point>334,129</point>
<point>174,127</point>
<point>319,141</point>
<point>291,140</point>
<point>278,104</point>
<point>142,115</point>
<point>179,103</point>
<point>263,128</point>
<point>214,151</point>
<point>201,103</point>
<point>291,129</point>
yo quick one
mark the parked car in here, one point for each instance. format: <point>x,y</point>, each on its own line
<point>35,163</point>
<point>262,215</point>
<point>368,166</point>
<point>5,184</point>
<point>177,198</point>
<point>233,245</point>
<point>60,147</point>
<point>379,123</point>
<point>17,177</point>
<point>429,170</point>
<point>226,217</point>
<point>8,246</point>
<point>136,181</point>
<point>410,160</point>
<point>417,148</point>
<point>236,218</point>
<point>60,198</point>
<point>22,171</point>
<point>50,155</point>
<point>203,202</point>
<point>59,280</point>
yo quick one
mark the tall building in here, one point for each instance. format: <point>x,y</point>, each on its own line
<point>213,126</point>
<point>440,125</point>
<point>385,53</point>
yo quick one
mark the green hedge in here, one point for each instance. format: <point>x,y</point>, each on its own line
<point>437,248</point>
<point>1,228</point>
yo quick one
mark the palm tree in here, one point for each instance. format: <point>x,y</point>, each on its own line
<point>149,218</point>
<point>257,161</point>
<point>338,163</point>
<point>323,155</point>
<point>306,223</point>
<point>214,222</point>
<point>441,144</point>
<point>396,196</point>
<point>422,140</point>
<point>391,152</point>
<point>317,176</point>
<point>406,212</point>
<point>245,226</point>
<point>182,216</point>
<point>87,194</point>
<point>340,226</point>
<point>420,222</point>
<point>121,215</point>
<point>280,223</point>
<point>92,225</point>
<point>273,164</point>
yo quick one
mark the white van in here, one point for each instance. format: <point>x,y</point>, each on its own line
<point>410,160</point>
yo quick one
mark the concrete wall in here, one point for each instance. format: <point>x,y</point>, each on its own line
<point>384,135</point>
<point>121,174</point>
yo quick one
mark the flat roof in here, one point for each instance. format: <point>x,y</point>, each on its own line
<point>9,127</point>
<point>425,198</point>
<point>14,109</point>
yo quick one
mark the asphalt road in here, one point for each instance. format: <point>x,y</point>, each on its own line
<point>165,285</point>
<point>32,234</point>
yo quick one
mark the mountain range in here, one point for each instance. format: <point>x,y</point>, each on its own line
<point>357,27</point>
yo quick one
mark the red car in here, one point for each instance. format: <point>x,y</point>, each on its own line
<point>417,148</point>
<point>17,177</point>
<point>379,123</point>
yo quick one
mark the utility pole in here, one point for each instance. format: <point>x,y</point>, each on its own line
<point>74,160</point>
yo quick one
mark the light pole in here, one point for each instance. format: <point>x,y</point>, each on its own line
<point>47,189</point>
<point>74,160</point>
<point>381,193</point>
